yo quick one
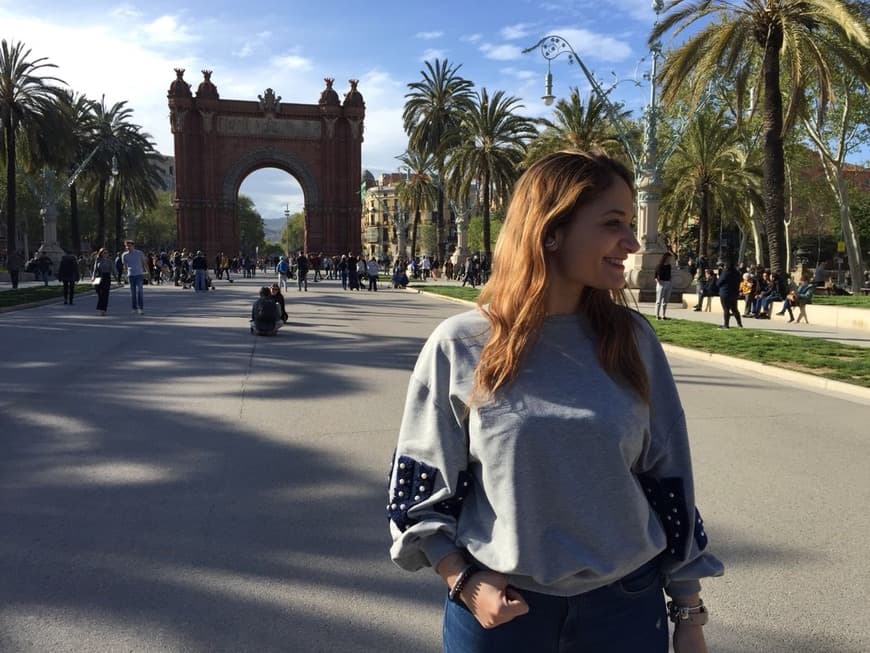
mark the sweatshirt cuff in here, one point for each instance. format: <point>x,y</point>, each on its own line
<point>682,588</point>
<point>437,547</point>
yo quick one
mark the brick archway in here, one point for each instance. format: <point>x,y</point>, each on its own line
<point>220,142</point>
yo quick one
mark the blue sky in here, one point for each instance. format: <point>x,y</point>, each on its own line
<point>127,51</point>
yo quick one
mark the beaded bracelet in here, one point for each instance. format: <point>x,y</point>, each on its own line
<point>460,582</point>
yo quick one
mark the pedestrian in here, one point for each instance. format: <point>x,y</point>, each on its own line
<point>302,266</point>
<point>43,266</point>
<point>282,269</point>
<point>13,264</point>
<point>199,265</point>
<point>543,464</point>
<point>728,284</point>
<point>372,272</point>
<point>343,271</point>
<point>68,275</point>
<point>663,286</point>
<point>103,269</point>
<point>134,260</point>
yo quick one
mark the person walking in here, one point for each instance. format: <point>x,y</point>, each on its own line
<point>43,267</point>
<point>543,466</point>
<point>103,269</point>
<point>13,264</point>
<point>728,284</point>
<point>68,275</point>
<point>282,269</point>
<point>663,286</point>
<point>302,266</point>
<point>137,267</point>
<point>372,272</point>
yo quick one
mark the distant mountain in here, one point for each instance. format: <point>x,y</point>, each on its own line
<point>273,228</point>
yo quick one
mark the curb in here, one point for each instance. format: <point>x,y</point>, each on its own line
<point>817,384</point>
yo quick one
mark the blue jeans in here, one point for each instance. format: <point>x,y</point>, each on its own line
<point>199,283</point>
<point>136,290</point>
<point>627,616</point>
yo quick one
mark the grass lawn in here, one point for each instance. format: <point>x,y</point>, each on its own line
<point>37,294</point>
<point>457,292</point>
<point>831,360</point>
<point>852,301</point>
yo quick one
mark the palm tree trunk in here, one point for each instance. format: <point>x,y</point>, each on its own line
<point>414,234</point>
<point>74,220</point>
<point>704,225</point>
<point>439,224</point>
<point>118,226</point>
<point>101,214</point>
<point>10,185</point>
<point>774,156</point>
<point>487,235</point>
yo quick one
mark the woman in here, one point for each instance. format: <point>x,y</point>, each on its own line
<point>103,269</point>
<point>278,297</point>
<point>663,286</point>
<point>543,436</point>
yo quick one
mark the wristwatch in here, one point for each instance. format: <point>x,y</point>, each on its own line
<point>695,615</point>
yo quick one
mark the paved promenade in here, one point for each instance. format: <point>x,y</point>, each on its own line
<point>170,483</point>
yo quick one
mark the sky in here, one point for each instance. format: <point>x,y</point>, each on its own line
<point>127,51</point>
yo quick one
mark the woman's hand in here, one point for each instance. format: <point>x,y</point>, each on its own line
<point>689,639</point>
<point>491,601</point>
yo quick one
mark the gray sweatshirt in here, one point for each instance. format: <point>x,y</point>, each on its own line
<point>565,482</point>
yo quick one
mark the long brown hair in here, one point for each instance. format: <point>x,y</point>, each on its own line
<point>514,300</point>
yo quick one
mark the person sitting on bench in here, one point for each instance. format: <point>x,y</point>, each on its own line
<point>265,314</point>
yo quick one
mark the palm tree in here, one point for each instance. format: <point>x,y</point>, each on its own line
<point>110,123</point>
<point>418,192</point>
<point>578,126</point>
<point>706,175</point>
<point>805,34</point>
<point>490,151</point>
<point>432,114</point>
<point>77,141</point>
<point>25,96</point>
<point>139,177</point>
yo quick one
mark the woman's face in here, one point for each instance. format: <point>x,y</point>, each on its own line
<point>591,249</point>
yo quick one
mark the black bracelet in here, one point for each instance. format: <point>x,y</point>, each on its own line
<point>461,581</point>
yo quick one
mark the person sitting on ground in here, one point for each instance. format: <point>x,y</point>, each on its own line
<point>278,297</point>
<point>265,314</point>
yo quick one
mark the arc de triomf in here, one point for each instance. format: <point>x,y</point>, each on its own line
<point>220,142</point>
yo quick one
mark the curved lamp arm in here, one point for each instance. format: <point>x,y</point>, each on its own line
<point>553,46</point>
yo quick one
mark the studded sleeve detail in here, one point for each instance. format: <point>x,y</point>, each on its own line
<point>667,498</point>
<point>413,483</point>
<point>453,505</point>
<point>700,534</point>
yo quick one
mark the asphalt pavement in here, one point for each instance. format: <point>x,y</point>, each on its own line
<point>171,483</point>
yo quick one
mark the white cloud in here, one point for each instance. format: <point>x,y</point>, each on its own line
<point>520,74</point>
<point>518,31</point>
<point>504,52</point>
<point>471,38</point>
<point>591,45</point>
<point>432,53</point>
<point>290,62</point>
<point>126,11</point>
<point>168,29</point>
<point>429,36</point>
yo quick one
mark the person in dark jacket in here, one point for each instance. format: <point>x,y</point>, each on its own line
<point>199,265</point>
<point>68,275</point>
<point>278,297</point>
<point>729,285</point>
<point>265,314</point>
<point>103,268</point>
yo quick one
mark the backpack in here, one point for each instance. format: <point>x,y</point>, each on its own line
<point>266,310</point>
<point>282,267</point>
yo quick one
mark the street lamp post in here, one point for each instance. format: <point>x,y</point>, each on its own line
<point>49,194</point>
<point>287,228</point>
<point>647,163</point>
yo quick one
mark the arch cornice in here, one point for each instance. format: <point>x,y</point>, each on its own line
<point>271,157</point>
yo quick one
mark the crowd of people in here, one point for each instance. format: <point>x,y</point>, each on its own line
<point>757,287</point>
